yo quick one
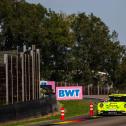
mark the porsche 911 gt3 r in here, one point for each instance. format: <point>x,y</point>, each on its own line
<point>116,104</point>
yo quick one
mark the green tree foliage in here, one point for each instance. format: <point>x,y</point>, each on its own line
<point>95,48</point>
<point>121,76</point>
<point>21,23</point>
<point>73,47</point>
<point>58,41</point>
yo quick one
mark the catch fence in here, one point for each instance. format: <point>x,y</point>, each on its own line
<point>88,89</point>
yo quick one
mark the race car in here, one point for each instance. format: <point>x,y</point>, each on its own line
<point>114,105</point>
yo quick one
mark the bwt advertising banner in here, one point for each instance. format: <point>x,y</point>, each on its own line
<point>69,93</point>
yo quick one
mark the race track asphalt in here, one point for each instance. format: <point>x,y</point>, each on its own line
<point>93,121</point>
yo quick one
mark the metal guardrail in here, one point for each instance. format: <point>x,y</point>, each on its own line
<point>20,110</point>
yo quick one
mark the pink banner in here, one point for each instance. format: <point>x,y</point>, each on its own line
<point>69,93</point>
<point>52,83</point>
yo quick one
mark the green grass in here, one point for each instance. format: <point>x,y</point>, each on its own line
<point>72,108</point>
<point>75,108</point>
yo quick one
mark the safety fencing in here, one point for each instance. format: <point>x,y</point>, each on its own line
<point>88,89</point>
<point>19,75</point>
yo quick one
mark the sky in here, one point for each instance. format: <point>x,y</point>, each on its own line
<point>111,12</point>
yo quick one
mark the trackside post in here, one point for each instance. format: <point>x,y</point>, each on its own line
<point>62,114</point>
<point>91,112</point>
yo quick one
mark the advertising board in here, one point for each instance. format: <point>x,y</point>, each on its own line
<point>69,93</point>
<point>46,83</point>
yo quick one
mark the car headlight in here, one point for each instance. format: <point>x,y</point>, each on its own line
<point>125,106</point>
<point>101,105</point>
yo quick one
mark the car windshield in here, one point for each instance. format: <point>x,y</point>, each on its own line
<point>117,99</point>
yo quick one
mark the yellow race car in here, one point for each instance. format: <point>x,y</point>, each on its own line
<point>114,105</point>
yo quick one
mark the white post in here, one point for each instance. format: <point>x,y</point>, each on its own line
<point>22,64</point>
<point>17,75</point>
<point>12,86</point>
<point>6,63</point>
<point>33,77</point>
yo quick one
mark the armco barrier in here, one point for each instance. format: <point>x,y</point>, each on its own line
<point>29,108</point>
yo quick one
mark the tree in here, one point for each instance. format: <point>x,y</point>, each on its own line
<point>21,23</point>
<point>58,41</point>
<point>73,47</point>
<point>95,49</point>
